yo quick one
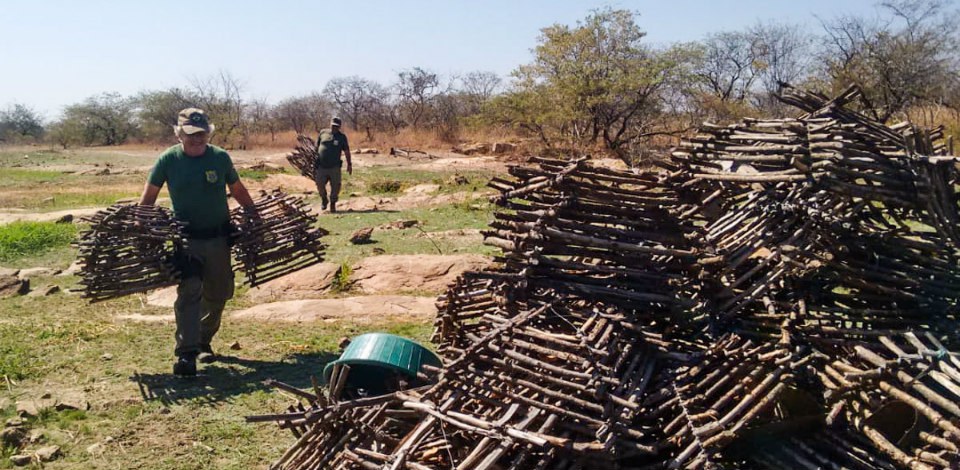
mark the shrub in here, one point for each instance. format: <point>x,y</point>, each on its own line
<point>385,186</point>
<point>341,280</point>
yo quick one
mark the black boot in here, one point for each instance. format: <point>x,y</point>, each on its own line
<point>186,365</point>
<point>323,205</point>
<point>333,206</point>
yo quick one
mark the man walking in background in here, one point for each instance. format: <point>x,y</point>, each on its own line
<point>330,144</point>
<point>198,174</point>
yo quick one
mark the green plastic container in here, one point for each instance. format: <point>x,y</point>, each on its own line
<point>374,355</point>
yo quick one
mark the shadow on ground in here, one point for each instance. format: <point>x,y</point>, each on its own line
<point>231,376</point>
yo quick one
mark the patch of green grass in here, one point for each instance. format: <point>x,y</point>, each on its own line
<point>13,177</point>
<point>65,419</point>
<point>471,214</point>
<point>20,239</point>
<point>16,363</point>
<point>7,451</point>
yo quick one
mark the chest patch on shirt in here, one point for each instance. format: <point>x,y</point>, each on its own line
<point>211,176</point>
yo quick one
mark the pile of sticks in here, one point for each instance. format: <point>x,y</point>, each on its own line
<point>779,294</point>
<point>276,237</point>
<point>304,156</point>
<point>129,249</point>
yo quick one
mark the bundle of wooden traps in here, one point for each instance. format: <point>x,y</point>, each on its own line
<point>275,237</point>
<point>304,156</point>
<point>777,294</point>
<point>129,249</point>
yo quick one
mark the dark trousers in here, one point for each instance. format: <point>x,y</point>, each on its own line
<point>322,176</point>
<point>202,293</point>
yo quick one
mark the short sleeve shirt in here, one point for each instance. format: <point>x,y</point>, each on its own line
<point>197,185</point>
<point>329,145</point>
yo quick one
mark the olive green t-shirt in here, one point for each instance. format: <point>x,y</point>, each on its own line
<point>197,185</point>
<point>329,146</point>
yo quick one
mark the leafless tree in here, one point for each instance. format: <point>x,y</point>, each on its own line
<point>220,96</point>
<point>727,67</point>
<point>294,113</point>
<point>259,118</point>
<point>905,58</point>
<point>782,54</point>
<point>355,98</point>
<point>478,87</point>
<point>416,88</point>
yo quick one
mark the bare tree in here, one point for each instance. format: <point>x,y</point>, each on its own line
<point>294,113</point>
<point>416,88</point>
<point>157,111</point>
<point>355,98</point>
<point>259,118</point>
<point>727,67</point>
<point>321,110</point>
<point>782,54</point>
<point>220,96</point>
<point>478,87</point>
<point>908,57</point>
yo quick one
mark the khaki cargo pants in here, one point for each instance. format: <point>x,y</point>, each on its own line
<point>206,286</point>
<point>323,175</point>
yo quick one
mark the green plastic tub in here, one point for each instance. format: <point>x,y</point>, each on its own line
<point>374,357</point>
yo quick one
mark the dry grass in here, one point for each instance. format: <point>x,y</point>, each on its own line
<point>934,116</point>
<point>421,138</point>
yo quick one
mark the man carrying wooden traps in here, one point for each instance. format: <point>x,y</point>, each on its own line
<point>197,175</point>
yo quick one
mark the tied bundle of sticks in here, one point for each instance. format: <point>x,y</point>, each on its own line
<point>129,249</point>
<point>779,297</point>
<point>277,237</point>
<point>304,156</point>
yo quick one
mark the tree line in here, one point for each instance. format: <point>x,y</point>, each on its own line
<point>593,86</point>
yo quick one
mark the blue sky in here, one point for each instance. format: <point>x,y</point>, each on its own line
<point>57,52</point>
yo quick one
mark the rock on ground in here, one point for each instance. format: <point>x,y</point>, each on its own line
<point>164,297</point>
<point>395,273</point>
<point>48,453</point>
<point>361,236</point>
<point>9,272</point>
<point>364,309</point>
<point>307,283</point>
<point>74,269</point>
<point>44,291</point>
<point>12,438</point>
<point>11,286</point>
<point>30,273</point>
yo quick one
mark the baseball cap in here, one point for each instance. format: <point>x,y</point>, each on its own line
<point>193,120</point>
<point>336,122</point>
